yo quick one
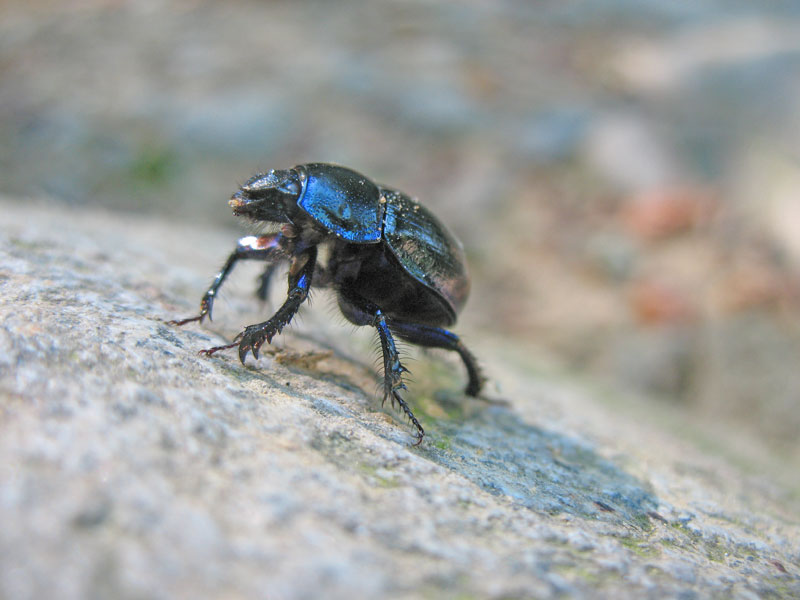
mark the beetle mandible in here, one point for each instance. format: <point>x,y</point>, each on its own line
<point>391,262</point>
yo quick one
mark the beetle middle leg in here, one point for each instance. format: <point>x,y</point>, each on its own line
<point>435,337</point>
<point>264,247</point>
<point>361,312</point>
<point>265,281</point>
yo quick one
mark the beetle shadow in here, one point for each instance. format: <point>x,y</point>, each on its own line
<point>491,445</point>
<point>538,469</point>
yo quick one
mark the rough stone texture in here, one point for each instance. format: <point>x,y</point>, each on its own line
<point>623,173</point>
<point>131,467</point>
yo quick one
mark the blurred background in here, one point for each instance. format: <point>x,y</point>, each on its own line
<point>624,174</point>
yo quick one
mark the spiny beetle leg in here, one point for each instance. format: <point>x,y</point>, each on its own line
<point>406,409</point>
<point>300,271</point>
<point>264,247</point>
<point>393,372</point>
<point>436,337</point>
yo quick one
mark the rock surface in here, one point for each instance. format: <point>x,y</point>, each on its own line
<point>623,175</point>
<point>131,467</point>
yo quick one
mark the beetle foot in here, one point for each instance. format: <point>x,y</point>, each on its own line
<point>475,385</point>
<point>392,384</point>
<point>254,336</point>
<point>179,322</point>
<point>396,397</point>
<point>205,311</point>
<point>210,351</point>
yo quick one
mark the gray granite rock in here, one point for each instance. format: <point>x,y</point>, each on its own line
<point>131,467</point>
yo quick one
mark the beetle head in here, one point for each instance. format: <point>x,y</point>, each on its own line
<point>268,197</point>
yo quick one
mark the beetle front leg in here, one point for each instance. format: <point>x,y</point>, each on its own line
<point>264,247</point>
<point>254,336</point>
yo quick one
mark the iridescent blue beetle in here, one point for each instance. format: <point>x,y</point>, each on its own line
<point>392,264</point>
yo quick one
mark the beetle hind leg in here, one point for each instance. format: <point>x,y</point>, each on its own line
<point>435,337</point>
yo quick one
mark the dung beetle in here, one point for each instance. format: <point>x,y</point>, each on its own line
<point>392,264</point>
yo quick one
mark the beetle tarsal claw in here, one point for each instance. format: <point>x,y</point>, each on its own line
<point>407,410</point>
<point>253,337</point>
<point>179,322</point>
<point>210,351</point>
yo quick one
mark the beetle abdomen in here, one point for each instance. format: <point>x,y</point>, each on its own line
<point>425,248</point>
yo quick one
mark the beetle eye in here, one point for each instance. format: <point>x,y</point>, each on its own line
<point>289,186</point>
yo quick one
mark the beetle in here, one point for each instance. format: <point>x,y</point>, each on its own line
<point>392,263</point>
